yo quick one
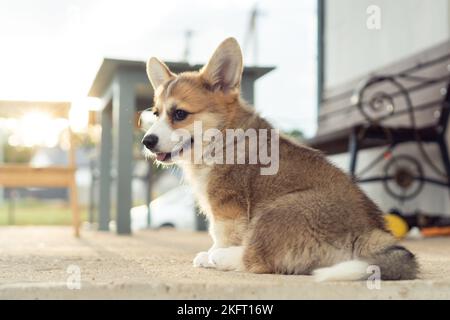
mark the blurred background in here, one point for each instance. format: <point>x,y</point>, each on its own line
<point>53,50</point>
<point>73,88</point>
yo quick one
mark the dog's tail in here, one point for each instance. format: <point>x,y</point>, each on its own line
<point>345,271</point>
<point>393,262</point>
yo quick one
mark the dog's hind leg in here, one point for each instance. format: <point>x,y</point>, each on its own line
<point>279,242</point>
<point>290,236</point>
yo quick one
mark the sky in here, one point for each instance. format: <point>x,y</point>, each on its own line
<point>51,49</point>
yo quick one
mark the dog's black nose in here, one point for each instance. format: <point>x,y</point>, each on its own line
<point>150,141</point>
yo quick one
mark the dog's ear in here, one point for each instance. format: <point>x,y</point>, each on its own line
<point>224,69</point>
<point>158,72</point>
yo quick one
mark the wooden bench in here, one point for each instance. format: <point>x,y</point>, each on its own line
<point>338,115</point>
<point>407,101</point>
<point>17,175</point>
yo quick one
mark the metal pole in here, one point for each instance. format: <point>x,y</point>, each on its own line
<point>12,207</point>
<point>320,50</point>
<point>105,170</point>
<point>123,121</point>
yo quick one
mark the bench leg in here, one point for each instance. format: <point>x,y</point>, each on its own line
<point>74,207</point>
<point>353,150</point>
<point>445,158</point>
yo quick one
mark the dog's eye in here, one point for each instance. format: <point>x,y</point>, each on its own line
<point>179,115</point>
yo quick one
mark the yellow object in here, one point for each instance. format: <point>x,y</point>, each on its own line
<point>396,225</point>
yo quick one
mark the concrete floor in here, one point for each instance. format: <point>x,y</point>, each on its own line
<point>35,261</point>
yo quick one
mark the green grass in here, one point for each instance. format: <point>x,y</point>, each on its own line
<point>34,212</point>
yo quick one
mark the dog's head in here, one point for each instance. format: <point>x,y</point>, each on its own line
<point>180,100</point>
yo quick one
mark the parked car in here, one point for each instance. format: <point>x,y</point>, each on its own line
<point>175,208</point>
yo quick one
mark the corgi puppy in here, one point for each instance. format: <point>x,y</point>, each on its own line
<point>306,218</point>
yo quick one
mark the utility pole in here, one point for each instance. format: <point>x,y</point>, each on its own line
<point>251,36</point>
<point>187,45</point>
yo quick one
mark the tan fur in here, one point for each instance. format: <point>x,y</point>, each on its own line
<point>309,215</point>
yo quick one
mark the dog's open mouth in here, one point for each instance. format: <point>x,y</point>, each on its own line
<point>167,156</point>
<point>163,157</point>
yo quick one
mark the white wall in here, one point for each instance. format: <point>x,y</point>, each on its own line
<point>407,26</point>
<point>352,50</point>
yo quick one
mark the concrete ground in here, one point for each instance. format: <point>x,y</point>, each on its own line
<point>45,262</point>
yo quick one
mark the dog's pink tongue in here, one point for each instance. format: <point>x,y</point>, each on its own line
<point>161,156</point>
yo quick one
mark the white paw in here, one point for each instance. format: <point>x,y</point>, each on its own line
<point>201,260</point>
<point>322,274</point>
<point>227,259</point>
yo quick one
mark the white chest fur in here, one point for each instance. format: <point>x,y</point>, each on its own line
<point>198,178</point>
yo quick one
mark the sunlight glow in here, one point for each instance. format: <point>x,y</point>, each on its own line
<point>79,113</point>
<point>37,129</point>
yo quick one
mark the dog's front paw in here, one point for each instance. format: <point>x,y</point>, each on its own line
<point>201,260</point>
<point>227,259</point>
